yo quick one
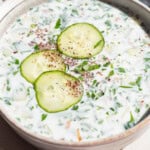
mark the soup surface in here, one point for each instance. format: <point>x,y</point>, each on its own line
<point>116,90</point>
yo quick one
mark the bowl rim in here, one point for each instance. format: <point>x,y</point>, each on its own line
<point>108,140</point>
<point>118,137</point>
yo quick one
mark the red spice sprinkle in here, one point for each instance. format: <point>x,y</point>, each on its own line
<point>70,61</point>
<point>46,46</point>
<point>75,86</point>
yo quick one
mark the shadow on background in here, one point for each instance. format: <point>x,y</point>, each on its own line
<point>9,140</point>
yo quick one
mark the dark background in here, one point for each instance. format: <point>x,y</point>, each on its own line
<point>9,140</point>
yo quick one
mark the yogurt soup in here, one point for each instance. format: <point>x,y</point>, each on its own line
<point>116,81</point>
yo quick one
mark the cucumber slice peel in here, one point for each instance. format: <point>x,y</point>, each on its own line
<point>39,62</point>
<point>57,91</point>
<point>80,40</point>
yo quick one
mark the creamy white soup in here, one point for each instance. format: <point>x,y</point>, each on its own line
<point>116,89</point>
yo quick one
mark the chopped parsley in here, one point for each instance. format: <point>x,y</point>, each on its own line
<point>58,24</point>
<point>121,70</point>
<point>83,67</point>
<point>43,117</point>
<point>95,95</point>
<point>16,61</point>
<point>33,26</point>
<point>74,11</point>
<point>125,86</point>
<point>36,47</point>
<point>130,123</point>
<point>75,107</point>
<point>147,59</point>
<point>106,64</point>
<point>108,23</point>
<point>95,83</point>
<point>8,85</point>
<point>138,83</point>
<point>111,73</point>
<point>137,110</point>
<point>7,102</point>
<point>118,105</point>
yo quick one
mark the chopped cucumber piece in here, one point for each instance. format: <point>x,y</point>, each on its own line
<point>57,91</point>
<point>40,62</point>
<point>80,40</point>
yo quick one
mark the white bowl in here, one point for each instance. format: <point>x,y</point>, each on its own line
<point>9,11</point>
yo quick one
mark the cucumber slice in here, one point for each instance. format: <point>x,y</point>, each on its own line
<point>40,62</point>
<point>57,91</point>
<point>80,40</point>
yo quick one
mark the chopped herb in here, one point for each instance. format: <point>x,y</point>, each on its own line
<point>74,11</point>
<point>75,107</point>
<point>8,85</point>
<point>30,33</point>
<point>99,107</point>
<point>100,94</point>
<point>95,83</point>
<point>97,44</point>
<point>138,82</point>
<point>146,59</point>
<point>85,67</point>
<point>43,117</point>
<point>36,47</point>
<point>106,64</point>
<point>33,25</point>
<point>100,121</point>
<point>122,70</point>
<point>108,23</point>
<point>107,113</point>
<point>58,23</point>
<point>147,67</point>
<point>18,119</point>
<point>147,105</point>
<point>137,110</point>
<point>92,67</point>
<point>114,91</point>
<point>95,95</point>
<point>126,87</point>
<point>130,123</point>
<point>88,94</point>
<point>131,118</point>
<point>111,66</point>
<point>132,83</point>
<point>118,104</point>
<point>18,20</point>
<point>7,102</point>
<point>104,57</point>
<point>112,109</point>
<point>84,63</point>
<point>31,108</point>
<point>15,72</point>
<point>80,78</point>
<point>111,73</point>
<point>17,61</point>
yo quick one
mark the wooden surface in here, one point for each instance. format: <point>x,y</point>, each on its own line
<point>9,140</point>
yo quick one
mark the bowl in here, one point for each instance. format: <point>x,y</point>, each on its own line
<point>14,8</point>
